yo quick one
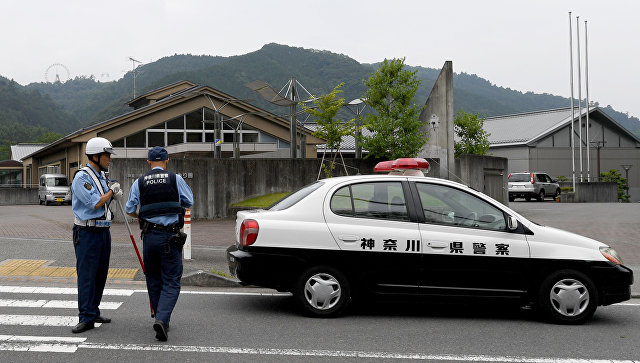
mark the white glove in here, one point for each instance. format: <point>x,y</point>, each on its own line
<point>115,188</point>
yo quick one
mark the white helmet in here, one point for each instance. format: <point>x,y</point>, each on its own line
<point>98,145</point>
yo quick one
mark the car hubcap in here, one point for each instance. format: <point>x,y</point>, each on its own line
<point>569,297</point>
<point>322,291</point>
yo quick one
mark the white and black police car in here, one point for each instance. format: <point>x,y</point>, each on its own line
<point>403,233</point>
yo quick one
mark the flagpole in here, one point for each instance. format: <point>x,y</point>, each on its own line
<point>573,153</point>
<point>579,93</point>
<point>586,74</point>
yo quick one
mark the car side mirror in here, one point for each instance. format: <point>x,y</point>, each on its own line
<point>512,223</point>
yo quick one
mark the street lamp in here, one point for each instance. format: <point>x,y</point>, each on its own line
<point>626,168</point>
<point>358,111</point>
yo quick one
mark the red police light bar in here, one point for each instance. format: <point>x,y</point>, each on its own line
<point>383,166</point>
<point>410,163</point>
<point>401,164</point>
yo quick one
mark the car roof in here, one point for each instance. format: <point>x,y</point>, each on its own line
<point>382,177</point>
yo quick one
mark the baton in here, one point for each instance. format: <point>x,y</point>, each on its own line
<point>133,241</point>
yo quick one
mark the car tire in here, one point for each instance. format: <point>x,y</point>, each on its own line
<point>540,196</point>
<point>568,297</point>
<point>527,198</point>
<point>46,202</point>
<point>322,292</point>
<point>558,192</point>
<point>39,201</point>
<point>511,199</point>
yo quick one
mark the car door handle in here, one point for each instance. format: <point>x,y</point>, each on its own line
<point>348,238</point>
<point>437,244</point>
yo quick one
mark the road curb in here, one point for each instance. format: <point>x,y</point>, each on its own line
<point>206,279</point>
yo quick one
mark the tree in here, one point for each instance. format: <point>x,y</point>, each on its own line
<point>48,137</point>
<point>330,128</point>
<point>469,129</point>
<point>614,175</point>
<point>395,126</point>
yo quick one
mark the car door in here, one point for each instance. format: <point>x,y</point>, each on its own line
<point>371,224</point>
<point>466,245</point>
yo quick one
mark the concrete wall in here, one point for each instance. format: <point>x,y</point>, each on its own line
<point>217,184</point>
<point>487,174</point>
<point>16,196</point>
<point>439,106</point>
<point>594,192</point>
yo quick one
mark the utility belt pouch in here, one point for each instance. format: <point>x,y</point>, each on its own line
<point>178,240</point>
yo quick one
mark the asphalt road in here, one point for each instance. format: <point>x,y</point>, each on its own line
<point>242,325</point>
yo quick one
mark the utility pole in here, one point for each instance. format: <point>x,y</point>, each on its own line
<point>134,71</point>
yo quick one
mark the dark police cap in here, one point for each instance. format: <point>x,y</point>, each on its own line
<point>158,154</point>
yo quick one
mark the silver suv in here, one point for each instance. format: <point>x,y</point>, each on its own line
<point>526,185</point>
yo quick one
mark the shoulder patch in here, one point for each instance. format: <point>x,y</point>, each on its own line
<point>87,186</point>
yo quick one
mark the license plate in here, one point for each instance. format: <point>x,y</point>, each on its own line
<point>518,186</point>
<point>59,199</point>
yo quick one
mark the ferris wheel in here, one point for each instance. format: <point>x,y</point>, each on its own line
<point>57,73</point>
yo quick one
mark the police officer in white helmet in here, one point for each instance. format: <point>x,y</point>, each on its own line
<point>91,237</point>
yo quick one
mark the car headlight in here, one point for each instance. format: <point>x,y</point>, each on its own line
<point>611,255</point>
<point>49,193</point>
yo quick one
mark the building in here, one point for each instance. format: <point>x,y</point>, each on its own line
<point>541,141</point>
<point>189,120</point>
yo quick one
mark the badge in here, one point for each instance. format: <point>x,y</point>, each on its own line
<point>87,186</point>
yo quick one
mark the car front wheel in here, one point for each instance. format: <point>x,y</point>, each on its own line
<point>568,297</point>
<point>322,292</point>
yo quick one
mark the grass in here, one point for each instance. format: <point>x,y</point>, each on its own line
<point>262,201</point>
<point>220,273</point>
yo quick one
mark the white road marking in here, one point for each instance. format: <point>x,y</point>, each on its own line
<point>33,338</point>
<point>40,320</point>
<point>57,304</point>
<point>60,290</point>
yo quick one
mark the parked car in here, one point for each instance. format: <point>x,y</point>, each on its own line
<point>54,188</point>
<point>527,185</point>
<point>362,236</point>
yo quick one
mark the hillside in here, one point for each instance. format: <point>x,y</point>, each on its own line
<point>84,101</point>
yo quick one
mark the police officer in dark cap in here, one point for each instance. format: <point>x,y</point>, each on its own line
<point>162,197</point>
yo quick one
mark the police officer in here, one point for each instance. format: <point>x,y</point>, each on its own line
<point>161,195</point>
<point>91,236</point>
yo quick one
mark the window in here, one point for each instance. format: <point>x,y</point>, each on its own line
<point>176,124</point>
<point>137,140</point>
<point>449,206</point>
<point>194,120</point>
<point>156,139</point>
<point>118,143</point>
<point>194,136</point>
<point>250,137</point>
<point>383,200</point>
<point>175,138</point>
<point>295,197</point>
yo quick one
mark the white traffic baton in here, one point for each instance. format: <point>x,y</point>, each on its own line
<point>187,230</point>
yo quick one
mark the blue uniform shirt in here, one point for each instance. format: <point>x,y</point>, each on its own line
<point>86,195</point>
<point>186,200</point>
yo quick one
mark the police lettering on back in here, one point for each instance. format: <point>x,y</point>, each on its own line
<point>156,179</point>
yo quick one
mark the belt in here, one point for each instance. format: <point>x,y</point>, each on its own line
<point>169,228</point>
<point>100,223</point>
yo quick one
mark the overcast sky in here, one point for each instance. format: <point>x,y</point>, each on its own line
<point>523,45</point>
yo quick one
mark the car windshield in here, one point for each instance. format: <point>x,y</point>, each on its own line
<point>520,178</point>
<point>57,182</point>
<point>295,197</point>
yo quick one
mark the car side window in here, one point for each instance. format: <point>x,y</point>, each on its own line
<point>384,200</point>
<point>450,206</point>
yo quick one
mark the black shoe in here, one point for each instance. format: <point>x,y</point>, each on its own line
<point>102,319</point>
<point>161,330</point>
<point>82,327</point>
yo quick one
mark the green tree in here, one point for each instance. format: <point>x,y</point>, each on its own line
<point>395,125</point>
<point>330,128</point>
<point>469,129</point>
<point>48,137</point>
<point>614,175</point>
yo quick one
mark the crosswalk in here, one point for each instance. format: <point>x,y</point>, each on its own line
<point>49,307</point>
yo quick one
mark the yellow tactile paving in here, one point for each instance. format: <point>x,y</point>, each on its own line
<point>35,268</point>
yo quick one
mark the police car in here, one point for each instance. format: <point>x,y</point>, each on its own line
<point>403,233</point>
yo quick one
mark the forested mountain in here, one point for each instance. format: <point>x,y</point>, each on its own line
<point>83,101</point>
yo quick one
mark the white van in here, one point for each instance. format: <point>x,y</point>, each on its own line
<point>54,188</point>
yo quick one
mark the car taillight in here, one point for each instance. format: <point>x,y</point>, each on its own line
<point>533,180</point>
<point>248,232</point>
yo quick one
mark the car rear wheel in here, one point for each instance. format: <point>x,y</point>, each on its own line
<point>568,297</point>
<point>557,194</point>
<point>540,196</point>
<point>322,292</point>
<point>527,198</point>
